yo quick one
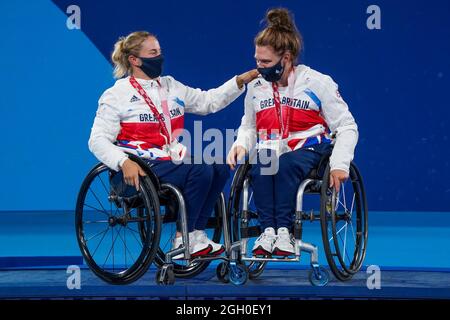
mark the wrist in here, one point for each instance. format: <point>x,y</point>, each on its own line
<point>240,82</point>
<point>337,169</point>
<point>122,161</point>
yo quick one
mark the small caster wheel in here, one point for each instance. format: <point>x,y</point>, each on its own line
<point>255,269</point>
<point>320,279</point>
<point>165,275</point>
<point>238,274</point>
<point>223,272</point>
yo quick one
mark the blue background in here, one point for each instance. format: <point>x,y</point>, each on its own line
<point>395,80</point>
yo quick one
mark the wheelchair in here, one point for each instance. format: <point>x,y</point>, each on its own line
<point>343,218</point>
<point>119,228</point>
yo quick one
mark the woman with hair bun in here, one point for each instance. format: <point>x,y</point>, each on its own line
<point>143,113</point>
<point>294,111</point>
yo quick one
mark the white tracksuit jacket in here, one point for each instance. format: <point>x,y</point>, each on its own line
<point>125,122</point>
<point>316,108</point>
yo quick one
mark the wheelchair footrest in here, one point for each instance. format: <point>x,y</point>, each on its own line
<point>273,259</point>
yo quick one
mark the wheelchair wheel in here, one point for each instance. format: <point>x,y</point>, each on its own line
<point>185,268</point>
<point>223,272</point>
<point>238,274</point>
<point>109,224</point>
<point>255,269</point>
<point>344,224</point>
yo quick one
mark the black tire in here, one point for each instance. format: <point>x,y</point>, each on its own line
<point>255,269</point>
<point>183,268</point>
<point>223,272</point>
<point>130,215</point>
<point>344,255</point>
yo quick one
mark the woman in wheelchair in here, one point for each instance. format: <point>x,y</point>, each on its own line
<point>143,113</point>
<point>293,110</point>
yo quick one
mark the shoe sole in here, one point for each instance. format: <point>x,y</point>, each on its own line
<point>216,253</point>
<point>261,252</point>
<point>278,252</point>
<point>203,252</point>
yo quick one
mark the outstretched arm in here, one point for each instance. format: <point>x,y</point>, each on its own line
<point>210,101</point>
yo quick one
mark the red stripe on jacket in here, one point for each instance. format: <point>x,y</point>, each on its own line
<point>148,132</point>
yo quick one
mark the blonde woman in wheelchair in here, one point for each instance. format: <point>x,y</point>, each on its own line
<point>143,113</point>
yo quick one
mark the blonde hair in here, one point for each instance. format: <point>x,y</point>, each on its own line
<point>280,33</point>
<point>123,48</point>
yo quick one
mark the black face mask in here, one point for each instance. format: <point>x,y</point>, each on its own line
<point>152,67</point>
<point>273,73</point>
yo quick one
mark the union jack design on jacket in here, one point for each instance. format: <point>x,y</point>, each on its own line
<point>124,121</point>
<point>311,107</point>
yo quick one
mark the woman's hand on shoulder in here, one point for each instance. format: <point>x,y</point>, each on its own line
<point>246,77</point>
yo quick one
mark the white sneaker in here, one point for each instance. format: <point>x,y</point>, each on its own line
<point>264,244</point>
<point>285,243</point>
<point>201,236</point>
<point>196,248</point>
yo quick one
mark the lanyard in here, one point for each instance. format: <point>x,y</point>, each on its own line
<point>284,125</point>
<point>159,116</point>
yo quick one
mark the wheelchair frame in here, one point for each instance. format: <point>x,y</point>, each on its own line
<point>239,248</point>
<point>233,268</point>
<point>311,185</point>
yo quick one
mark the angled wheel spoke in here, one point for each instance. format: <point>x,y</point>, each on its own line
<point>345,239</point>
<point>96,235</point>
<point>344,226</point>
<point>343,206</point>
<point>104,186</point>
<point>101,240</point>
<point>110,250</point>
<point>353,231</point>
<point>343,196</point>
<point>353,204</point>
<point>125,246</point>
<point>96,209</point>
<point>95,196</point>
<point>330,231</point>
<point>133,233</point>
<point>112,247</point>
<point>346,254</point>
<point>115,212</point>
